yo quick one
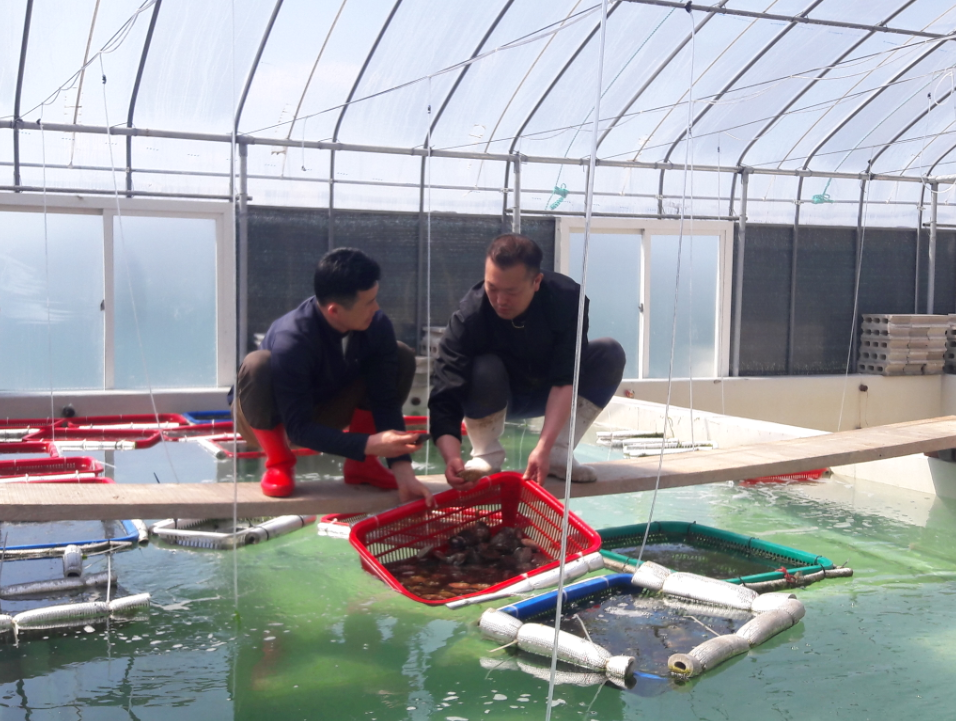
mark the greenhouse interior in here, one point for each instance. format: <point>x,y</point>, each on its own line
<point>755,198</point>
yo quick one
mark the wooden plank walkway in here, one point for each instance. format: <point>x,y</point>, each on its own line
<point>48,502</point>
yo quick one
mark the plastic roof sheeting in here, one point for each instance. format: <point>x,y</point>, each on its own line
<point>479,81</point>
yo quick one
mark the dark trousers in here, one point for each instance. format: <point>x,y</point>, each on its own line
<point>602,367</point>
<point>255,404</point>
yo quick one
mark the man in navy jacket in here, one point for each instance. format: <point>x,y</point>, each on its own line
<point>330,363</point>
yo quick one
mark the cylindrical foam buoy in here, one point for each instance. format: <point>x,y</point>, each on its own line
<point>72,561</point>
<point>499,626</point>
<point>6,622</point>
<point>765,626</point>
<point>129,604</point>
<point>276,527</point>
<point>708,655</point>
<point>650,575</point>
<point>56,615</point>
<point>539,639</point>
<point>771,601</point>
<point>709,590</point>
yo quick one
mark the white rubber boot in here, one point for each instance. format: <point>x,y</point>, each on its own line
<point>487,453</point>
<point>586,414</point>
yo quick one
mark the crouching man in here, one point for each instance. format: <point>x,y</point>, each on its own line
<point>332,363</point>
<point>508,352</point>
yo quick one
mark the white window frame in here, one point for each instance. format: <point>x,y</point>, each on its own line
<point>647,228</point>
<point>108,207</point>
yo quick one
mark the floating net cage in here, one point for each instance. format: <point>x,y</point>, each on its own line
<point>652,625</point>
<point>222,534</point>
<point>26,540</point>
<point>696,548</point>
<point>388,539</point>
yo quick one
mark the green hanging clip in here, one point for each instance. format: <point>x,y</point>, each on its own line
<point>823,197</point>
<point>561,193</point>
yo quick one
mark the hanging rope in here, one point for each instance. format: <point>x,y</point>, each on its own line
<point>577,362</point>
<point>680,242</point>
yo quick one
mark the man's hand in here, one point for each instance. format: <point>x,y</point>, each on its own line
<point>453,470</point>
<point>450,449</point>
<point>389,444</point>
<point>539,463</point>
<point>409,487</point>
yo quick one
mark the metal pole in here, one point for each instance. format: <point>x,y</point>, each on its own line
<point>739,273</point>
<point>517,209</point>
<point>796,19</point>
<point>794,253</point>
<point>421,311</point>
<point>331,230</point>
<point>243,341</point>
<point>931,280</point>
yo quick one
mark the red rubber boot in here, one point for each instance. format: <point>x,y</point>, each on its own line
<point>279,479</point>
<point>371,470</point>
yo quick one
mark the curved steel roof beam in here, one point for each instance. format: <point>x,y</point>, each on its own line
<point>361,73</point>
<point>874,93</point>
<point>16,100</point>
<point>554,82</point>
<point>859,108</point>
<point>255,65</point>
<point>132,98</point>
<point>812,83</point>
<point>906,129</point>
<point>737,76</point>
<point>464,70</point>
<point>654,75</point>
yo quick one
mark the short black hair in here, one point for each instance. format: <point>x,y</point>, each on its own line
<point>341,274</point>
<point>507,250</point>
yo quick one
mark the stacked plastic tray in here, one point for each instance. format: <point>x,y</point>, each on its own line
<point>903,345</point>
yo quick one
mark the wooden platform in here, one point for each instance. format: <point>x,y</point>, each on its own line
<point>47,501</point>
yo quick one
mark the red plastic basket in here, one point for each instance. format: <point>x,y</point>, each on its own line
<point>504,499</point>
<point>814,475</point>
<point>52,470</point>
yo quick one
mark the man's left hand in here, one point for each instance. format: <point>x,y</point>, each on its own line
<point>539,463</point>
<point>409,487</point>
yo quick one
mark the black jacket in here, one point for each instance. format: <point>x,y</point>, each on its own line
<point>309,368</point>
<point>537,348</point>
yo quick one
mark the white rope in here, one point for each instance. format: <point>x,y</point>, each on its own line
<point>242,341</point>
<point>129,279</point>
<point>46,270</point>
<point>592,166</point>
<point>428,265</point>
<point>680,242</point>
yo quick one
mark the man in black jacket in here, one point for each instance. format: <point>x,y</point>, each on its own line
<point>330,363</point>
<point>509,352</point>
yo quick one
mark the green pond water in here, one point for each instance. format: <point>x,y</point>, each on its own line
<point>294,629</point>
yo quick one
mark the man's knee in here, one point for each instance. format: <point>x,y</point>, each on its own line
<point>254,390</point>
<point>489,386</point>
<point>602,370</point>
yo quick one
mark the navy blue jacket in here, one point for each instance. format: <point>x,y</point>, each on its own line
<point>309,368</point>
<point>537,348</point>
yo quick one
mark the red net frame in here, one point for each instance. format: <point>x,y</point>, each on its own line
<point>813,475</point>
<point>504,499</point>
<point>138,437</point>
<point>44,447</point>
<point>78,469</point>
